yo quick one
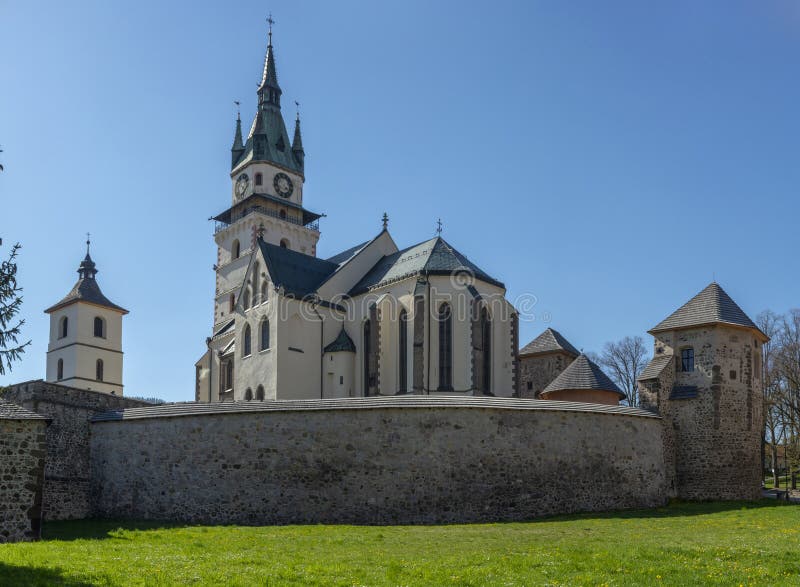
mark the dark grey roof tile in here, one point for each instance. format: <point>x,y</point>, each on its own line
<point>548,341</point>
<point>582,373</point>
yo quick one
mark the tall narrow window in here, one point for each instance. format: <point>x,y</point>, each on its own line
<point>403,342</point>
<point>264,291</point>
<point>60,370</point>
<point>231,303</point>
<point>486,336</point>
<point>256,301</point>
<point>246,347</point>
<point>259,179</point>
<point>260,393</point>
<point>99,370</point>
<point>264,339</point>
<point>229,374</point>
<point>64,327</point>
<point>687,360</point>
<point>246,299</point>
<point>235,250</point>
<point>445,347</point>
<point>99,327</point>
<point>367,346</point>
<point>284,243</point>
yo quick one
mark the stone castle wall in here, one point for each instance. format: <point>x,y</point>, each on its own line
<point>22,457</point>
<point>66,486</point>
<point>374,461</point>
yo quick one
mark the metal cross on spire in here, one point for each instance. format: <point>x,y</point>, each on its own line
<point>385,221</point>
<point>271,22</point>
<point>439,227</point>
<point>88,242</point>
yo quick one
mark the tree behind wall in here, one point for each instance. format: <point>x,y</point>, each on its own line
<point>10,303</point>
<point>624,361</point>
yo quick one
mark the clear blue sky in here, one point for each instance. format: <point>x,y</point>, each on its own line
<point>609,158</point>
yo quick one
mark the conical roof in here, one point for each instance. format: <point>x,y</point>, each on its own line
<point>269,78</point>
<point>343,342</point>
<point>711,306</point>
<point>583,373</point>
<point>86,289</point>
<point>547,342</point>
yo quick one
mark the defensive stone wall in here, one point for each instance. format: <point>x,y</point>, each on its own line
<point>22,456</point>
<point>394,460</point>
<point>66,486</point>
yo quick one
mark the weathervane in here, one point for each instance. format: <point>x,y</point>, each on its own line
<point>271,22</point>
<point>439,227</point>
<point>237,108</point>
<point>297,108</point>
<point>88,242</point>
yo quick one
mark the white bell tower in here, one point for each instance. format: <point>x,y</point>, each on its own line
<point>85,349</point>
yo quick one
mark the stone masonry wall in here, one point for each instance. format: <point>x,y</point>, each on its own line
<point>66,487</point>
<point>537,371</point>
<point>375,461</point>
<point>22,456</point>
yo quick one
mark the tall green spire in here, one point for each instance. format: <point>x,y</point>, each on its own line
<point>238,146</point>
<point>297,143</point>
<point>269,92</point>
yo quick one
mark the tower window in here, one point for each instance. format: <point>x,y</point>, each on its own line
<point>98,370</point>
<point>687,360</point>
<point>63,327</point>
<point>60,370</point>
<point>259,179</point>
<point>235,250</point>
<point>99,327</point>
<point>246,344</point>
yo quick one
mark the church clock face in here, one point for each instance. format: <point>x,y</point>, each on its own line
<point>241,185</point>
<point>283,185</point>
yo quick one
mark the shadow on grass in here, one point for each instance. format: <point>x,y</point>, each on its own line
<point>34,576</point>
<point>99,529</point>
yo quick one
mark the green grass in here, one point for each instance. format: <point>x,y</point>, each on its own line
<point>683,544</point>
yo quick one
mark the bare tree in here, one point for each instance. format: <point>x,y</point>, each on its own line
<point>624,361</point>
<point>10,302</point>
<point>769,322</point>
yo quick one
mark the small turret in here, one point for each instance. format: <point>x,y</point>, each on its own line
<point>237,150</point>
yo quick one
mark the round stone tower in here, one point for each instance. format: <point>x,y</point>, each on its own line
<point>705,381</point>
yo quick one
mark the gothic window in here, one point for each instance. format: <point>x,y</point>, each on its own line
<point>486,338</point>
<point>264,291</point>
<point>687,360</point>
<point>246,347</point>
<point>228,375</point>
<point>445,318</point>
<point>255,284</point>
<point>248,394</point>
<point>64,327</point>
<point>264,339</point>
<point>231,303</point>
<point>284,242</point>
<point>99,370</point>
<point>235,250</point>
<point>259,179</point>
<point>367,352</point>
<point>246,299</point>
<point>403,342</point>
<point>260,393</point>
<point>99,327</point>
<point>60,370</point>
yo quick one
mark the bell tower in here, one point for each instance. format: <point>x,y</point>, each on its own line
<point>267,177</point>
<point>85,349</point>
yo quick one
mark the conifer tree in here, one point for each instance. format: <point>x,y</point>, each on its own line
<point>10,303</point>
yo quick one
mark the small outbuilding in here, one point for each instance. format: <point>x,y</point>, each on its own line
<point>583,381</point>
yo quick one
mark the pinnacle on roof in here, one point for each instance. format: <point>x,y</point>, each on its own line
<point>581,374</point>
<point>238,145</point>
<point>711,306</point>
<point>86,288</point>
<point>549,341</point>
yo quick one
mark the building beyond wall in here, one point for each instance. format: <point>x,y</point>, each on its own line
<point>66,485</point>
<point>22,457</point>
<point>374,461</point>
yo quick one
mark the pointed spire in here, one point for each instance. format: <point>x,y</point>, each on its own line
<point>238,145</point>
<point>87,269</point>
<point>297,142</point>
<point>269,92</point>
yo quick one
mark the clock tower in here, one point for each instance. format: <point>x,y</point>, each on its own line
<point>267,176</point>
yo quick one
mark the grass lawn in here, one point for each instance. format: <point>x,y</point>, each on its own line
<point>683,544</point>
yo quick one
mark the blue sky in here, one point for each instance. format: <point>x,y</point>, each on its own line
<point>609,158</point>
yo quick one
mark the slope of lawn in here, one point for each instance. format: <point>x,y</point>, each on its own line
<point>683,544</point>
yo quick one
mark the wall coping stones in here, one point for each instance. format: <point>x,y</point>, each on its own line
<point>370,403</point>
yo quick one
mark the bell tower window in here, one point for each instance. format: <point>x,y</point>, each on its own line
<point>259,179</point>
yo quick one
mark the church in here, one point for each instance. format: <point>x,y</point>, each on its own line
<point>373,320</point>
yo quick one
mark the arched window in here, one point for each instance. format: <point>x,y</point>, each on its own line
<point>264,338</point>
<point>99,327</point>
<point>231,303</point>
<point>235,250</point>
<point>60,370</point>
<point>246,347</point>
<point>260,393</point>
<point>229,374</point>
<point>403,342</point>
<point>367,346</point>
<point>284,243</point>
<point>248,394</point>
<point>264,291</point>
<point>259,179</point>
<point>445,318</point>
<point>99,370</point>
<point>486,338</point>
<point>63,327</point>
<point>256,301</point>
